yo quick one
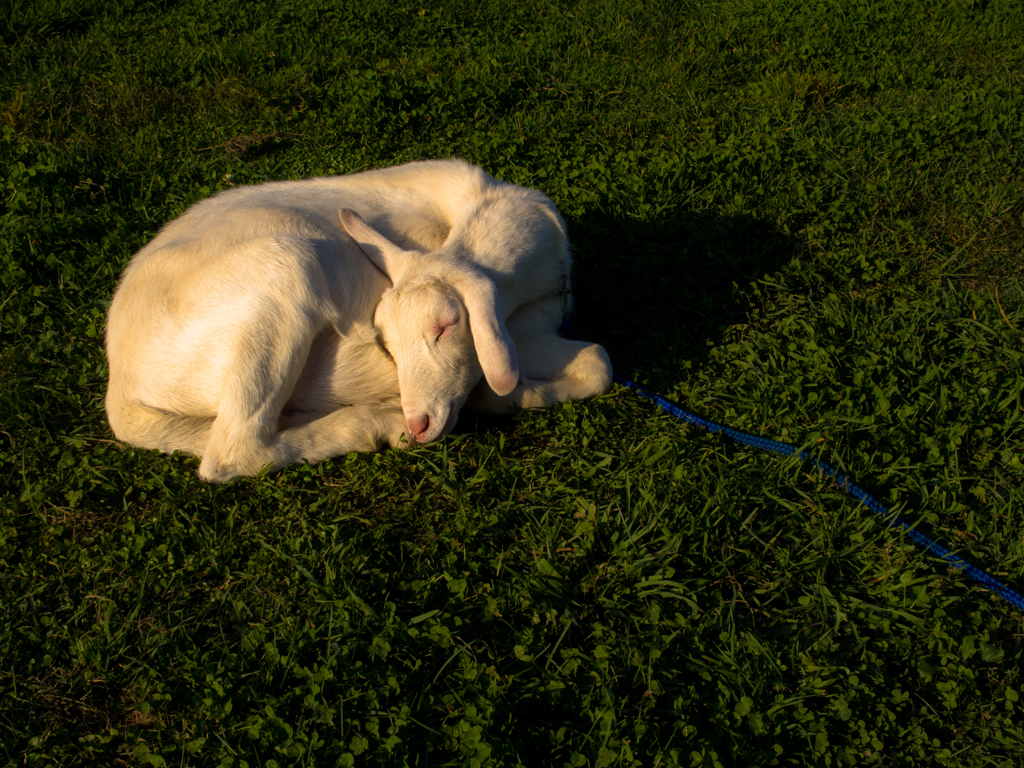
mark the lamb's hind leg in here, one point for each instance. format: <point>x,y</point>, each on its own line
<point>145,427</point>
<point>250,432</point>
<point>268,352</point>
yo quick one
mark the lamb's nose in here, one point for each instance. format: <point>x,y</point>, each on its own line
<point>419,425</point>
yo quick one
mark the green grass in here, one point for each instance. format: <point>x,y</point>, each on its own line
<point>803,218</point>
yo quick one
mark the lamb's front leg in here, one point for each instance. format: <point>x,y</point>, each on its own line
<point>360,428</point>
<point>552,370</point>
<point>352,428</point>
<point>278,405</point>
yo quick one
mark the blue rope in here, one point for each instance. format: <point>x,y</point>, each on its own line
<point>775,446</point>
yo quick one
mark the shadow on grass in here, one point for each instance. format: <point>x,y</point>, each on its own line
<point>656,293</point>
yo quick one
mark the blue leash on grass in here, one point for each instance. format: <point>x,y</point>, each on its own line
<point>785,449</point>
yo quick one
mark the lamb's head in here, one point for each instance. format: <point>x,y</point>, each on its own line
<point>441,322</point>
<point>422,323</point>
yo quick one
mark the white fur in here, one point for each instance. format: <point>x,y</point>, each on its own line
<point>303,320</point>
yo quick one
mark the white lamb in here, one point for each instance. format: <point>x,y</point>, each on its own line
<point>306,319</point>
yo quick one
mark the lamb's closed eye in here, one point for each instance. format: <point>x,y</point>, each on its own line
<point>443,328</point>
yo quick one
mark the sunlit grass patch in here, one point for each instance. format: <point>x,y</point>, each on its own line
<point>800,219</point>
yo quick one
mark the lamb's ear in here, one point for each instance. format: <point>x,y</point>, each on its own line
<point>494,346</point>
<point>385,255</point>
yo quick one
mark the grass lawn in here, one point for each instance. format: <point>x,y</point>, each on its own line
<point>801,218</point>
